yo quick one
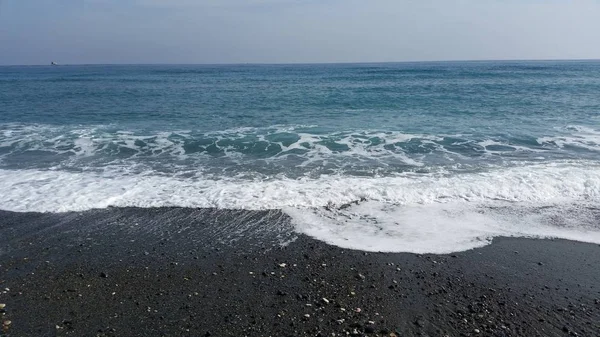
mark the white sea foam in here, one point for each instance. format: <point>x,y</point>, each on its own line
<point>409,212</point>
<point>444,227</point>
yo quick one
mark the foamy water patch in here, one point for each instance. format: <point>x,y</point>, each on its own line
<point>442,228</point>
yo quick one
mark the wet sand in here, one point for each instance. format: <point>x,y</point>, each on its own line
<point>207,272</point>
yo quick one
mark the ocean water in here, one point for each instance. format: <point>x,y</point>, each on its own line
<point>407,157</point>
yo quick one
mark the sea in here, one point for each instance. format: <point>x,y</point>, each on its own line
<point>430,157</point>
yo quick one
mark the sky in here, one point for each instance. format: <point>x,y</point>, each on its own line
<point>295,31</point>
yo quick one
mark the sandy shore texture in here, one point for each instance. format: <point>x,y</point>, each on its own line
<point>207,272</point>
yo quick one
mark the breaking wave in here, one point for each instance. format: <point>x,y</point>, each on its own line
<point>408,212</point>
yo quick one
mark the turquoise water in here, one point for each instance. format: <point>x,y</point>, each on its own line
<point>301,136</point>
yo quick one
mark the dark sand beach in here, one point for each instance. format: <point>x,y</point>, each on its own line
<point>207,272</point>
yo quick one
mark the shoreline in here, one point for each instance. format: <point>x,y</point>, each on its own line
<point>208,272</point>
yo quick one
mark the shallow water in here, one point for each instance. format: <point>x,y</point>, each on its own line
<point>419,157</point>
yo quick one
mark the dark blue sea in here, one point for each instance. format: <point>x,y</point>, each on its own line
<point>416,157</point>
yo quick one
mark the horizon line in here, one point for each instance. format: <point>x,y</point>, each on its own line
<point>297,63</point>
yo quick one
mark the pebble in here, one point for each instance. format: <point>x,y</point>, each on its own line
<point>282,265</point>
<point>476,331</point>
<point>357,310</point>
<point>306,315</point>
<point>326,301</point>
<point>2,306</point>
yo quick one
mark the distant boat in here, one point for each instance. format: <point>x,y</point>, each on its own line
<point>53,63</point>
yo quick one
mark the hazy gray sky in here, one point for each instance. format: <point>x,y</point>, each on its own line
<point>285,31</point>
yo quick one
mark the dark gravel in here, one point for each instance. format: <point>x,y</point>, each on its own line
<point>176,272</point>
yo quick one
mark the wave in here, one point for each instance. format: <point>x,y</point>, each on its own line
<point>578,136</point>
<point>295,151</point>
<point>409,212</point>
